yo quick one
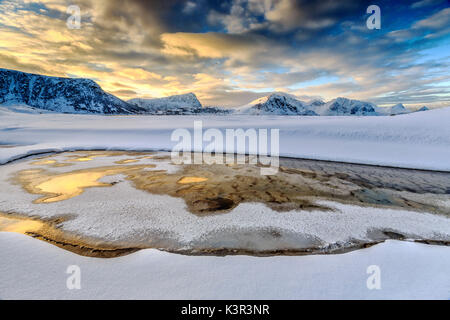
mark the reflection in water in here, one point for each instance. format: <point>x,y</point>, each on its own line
<point>210,189</point>
<point>126,161</point>
<point>63,186</point>
<point>43,162</point>
<point>81,159</point>
<point>218,189</point>
<point>69,185</point>
<point>50,163</point>
<point>192,180</point>
<point>49,232</point>
<point>18,225</point>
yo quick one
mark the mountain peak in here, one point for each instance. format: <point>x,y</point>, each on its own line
<point>345,106</point>
<point>179,104</point>
<point>316,102</point>
<point>398,109</point>
<point>59,94</point>
<point>279,103</point>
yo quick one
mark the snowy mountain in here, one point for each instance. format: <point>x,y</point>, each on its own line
<point>397,109</point>
<point>179,104</point>
<point>286,104</point>
<point>346,107</point>
<point>422,109</point>
<point>59,94</point>
<point>316,103</point>
<point>280,103</point>
<point>401,109</point>
<point>69,95</point>
<point>216,110</point>
<point>277,103</point>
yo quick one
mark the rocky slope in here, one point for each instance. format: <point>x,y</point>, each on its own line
<point>178,104</point>
<point>65,95</point>
<point>280,103</point>
<point>277,103</point>
<point>68,95</point>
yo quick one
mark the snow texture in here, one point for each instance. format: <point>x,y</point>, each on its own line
<point>418,140</point>
<point>138,218</point>
<point>32,269</point>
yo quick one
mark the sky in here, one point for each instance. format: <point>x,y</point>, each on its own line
<point>231,52</point>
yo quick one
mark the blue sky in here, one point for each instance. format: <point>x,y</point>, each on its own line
<point>231,52</point>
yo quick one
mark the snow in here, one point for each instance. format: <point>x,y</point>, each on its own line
<point>397,109</point>
<point>280,103</point>
<point>277,103</point>
<point>139,218</point>
<point>345,107</point>
<point>69,95</point>
<point>33,269</point>
<point>418,140</point>
<point>185,103</point>
<point>74,95</point>
<point>408,271</point>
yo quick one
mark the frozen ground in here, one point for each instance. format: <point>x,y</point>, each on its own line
<point>408,271</point>
<point>420,140</point>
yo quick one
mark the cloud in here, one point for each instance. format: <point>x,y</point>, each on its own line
<point>434,26</point>
<point>438,20</point>
<point>425,3</point>
<point>212,45</point>
<point>233,51</point>
<point>284,15</point>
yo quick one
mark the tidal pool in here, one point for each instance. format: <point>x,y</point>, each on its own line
<point>219,188</point>
<point>115,202</point>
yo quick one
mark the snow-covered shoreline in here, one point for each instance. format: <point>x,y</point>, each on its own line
<point>408,271</point>
<point>418,141</point>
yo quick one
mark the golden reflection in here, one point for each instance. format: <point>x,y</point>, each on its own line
<point>50,232</point>
<point>81,159</point>
<point>205,189</point>
<point>69,185</point>
<point>18,225</point>
<point>63,186</point>
<point>50,163</point>
<point>185,180</point>
<point>126,161</point>
<point>43,162</point>
<point>209,189</point>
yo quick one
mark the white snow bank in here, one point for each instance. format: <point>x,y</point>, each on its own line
<point>31,269</point>
<point>418,140</point>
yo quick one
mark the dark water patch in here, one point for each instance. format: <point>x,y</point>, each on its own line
<point>366,176</point>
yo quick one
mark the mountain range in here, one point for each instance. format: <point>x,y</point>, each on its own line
<point>73,95</point>
<point>59,94</point>
<point>179,104</point>
<point>280,103</point>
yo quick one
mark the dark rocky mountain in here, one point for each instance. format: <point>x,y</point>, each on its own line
<point>278,103</point>
<point>59,94</point>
